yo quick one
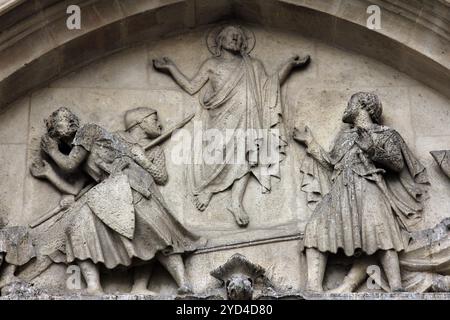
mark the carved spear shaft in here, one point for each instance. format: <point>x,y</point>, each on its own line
<point>59,208</point>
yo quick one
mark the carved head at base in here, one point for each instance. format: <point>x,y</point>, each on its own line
<point>238,275</point>
<point>143,118</point>
<point>239,287</point>
<point>366,101</point>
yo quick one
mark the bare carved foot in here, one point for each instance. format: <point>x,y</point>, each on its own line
<point>313,289</point>
<point>343,288</point>
<point>7,280</point>
<point>94,291</point>
<point>143,291</point>
<point>239,214</point>
<point>185,289</point>
<point>201,201</point>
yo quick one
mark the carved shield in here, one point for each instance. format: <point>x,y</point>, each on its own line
<point>112,202</point>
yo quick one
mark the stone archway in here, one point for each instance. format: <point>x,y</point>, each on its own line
<point>36,46</point>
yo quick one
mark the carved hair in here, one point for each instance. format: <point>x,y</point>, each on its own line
<point>50,122</point>
<point>222,34</point>
<point>370,102</point>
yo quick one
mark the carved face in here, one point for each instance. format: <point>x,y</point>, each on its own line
<point>352,110</point>
<point>232,39</point>
<point>151,126</point>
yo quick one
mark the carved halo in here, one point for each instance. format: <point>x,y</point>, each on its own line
<point>212,37</point>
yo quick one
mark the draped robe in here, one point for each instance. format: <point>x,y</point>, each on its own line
<point>248,102</point>
<point>363,208</point>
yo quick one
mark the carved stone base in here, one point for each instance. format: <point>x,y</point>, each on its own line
<point>260,296</point>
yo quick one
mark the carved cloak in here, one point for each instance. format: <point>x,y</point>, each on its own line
<point>357,190</point>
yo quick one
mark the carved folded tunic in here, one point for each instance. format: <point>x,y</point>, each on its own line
<point>363,211</point>
<point>103,230</point>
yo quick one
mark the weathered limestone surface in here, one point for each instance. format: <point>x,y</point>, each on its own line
<point>98,81</point>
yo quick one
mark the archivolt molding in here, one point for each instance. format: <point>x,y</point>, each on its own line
<point>36,47</point>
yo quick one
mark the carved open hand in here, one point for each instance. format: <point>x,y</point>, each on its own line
<point>48,144</point>
<point>163,63</point>
<point>298,61</point>
<point>40,168</point>
<point>364,140</point>
<point>303,136</point>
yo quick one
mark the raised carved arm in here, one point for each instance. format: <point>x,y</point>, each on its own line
<point>191,86</point>
<point>294,62</point>
<point>313,148</point>
<point>68,163</point>
<point>159,170</point>
<point>41,169</point>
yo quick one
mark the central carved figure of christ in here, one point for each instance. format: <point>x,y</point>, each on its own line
<point>237,96</point>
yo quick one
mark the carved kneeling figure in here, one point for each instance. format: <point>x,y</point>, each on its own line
<point>424,263</point>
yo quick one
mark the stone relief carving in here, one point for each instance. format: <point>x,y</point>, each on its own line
<point>366,193</point>
<point>442,158</point>
<point>239,97</point>
<point>377,186</point>
<point>121,217</point>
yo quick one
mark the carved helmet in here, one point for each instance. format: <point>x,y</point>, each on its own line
<point>135,116</point>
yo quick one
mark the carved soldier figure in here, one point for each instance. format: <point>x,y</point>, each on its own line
<point>141,127</point>
<point>237,95</point>
<point>375,193</point>
<point>124,220</point>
